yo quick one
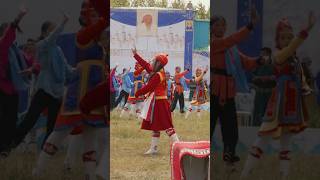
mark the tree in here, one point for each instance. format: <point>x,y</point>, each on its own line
<point>120,3</point>
<point>178,4</point>
<point>150,3</point>
<point>201,11</point>
<point>208,13</point>
<point>162,3</point>
<point>138,3</point>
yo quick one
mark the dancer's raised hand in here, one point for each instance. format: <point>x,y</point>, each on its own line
<point>23,11</point>
<point>206,69</point>
<point>134,50</point>
<point>26,72</point>
<point>311,21</point>
<point>66,17</point>
<point>254,16</point>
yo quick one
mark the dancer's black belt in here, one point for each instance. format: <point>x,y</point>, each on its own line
<point>220,71</point>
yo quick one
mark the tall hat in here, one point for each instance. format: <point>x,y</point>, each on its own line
<point>86,9</point>
<point>283,25</point>
<point>162,58</point>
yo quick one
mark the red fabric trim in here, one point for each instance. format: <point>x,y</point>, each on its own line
<point>89,156</point>
<point>50,149</point>
<point>156,134</point>
<point>284,152</point>
<point>170,131</point>
<point>199,149</point>
<point>284,155</point>
<point>262,133</point>
<point>303,34</point>
<point>256,148</point>
<point>94,99</point>
<point>255,155</point>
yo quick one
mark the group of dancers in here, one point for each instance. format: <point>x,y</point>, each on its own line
<point>125,84</point>
<point>43,62</point>
<point>150,93</point>
<point>286,112</point>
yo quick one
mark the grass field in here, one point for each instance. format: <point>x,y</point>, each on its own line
<point>18,166</point>
<point>128,143</point>
<point>302,168</point>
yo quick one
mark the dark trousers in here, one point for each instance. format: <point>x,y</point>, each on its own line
<point>112,100</point>
<point>39,103</point>
<point>8,118</point>
<point>123,94</point>
<point>177,97</point>
<point>228,121</point>
<point>191,94</point>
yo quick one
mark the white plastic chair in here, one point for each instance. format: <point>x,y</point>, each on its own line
<point>245,107</point>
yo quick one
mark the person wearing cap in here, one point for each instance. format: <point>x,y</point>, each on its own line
<point>286,113</point>
<point>135,103</point>
<point>178,90</point>
<point>93,21</point>
<point>93,125</point>
<point>156,113</point>
<point>125,87</point>
<point>228,77</point>
<point>170,87</point>
<point>10,82</point>
<point>199,95</point>
<point>263,82</point>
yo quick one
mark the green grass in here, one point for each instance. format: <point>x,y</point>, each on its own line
<point>303,167</point>
<point>128,143</point>
<point>18,166</point>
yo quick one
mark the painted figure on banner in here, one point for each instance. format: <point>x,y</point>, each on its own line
<point>147,23</point>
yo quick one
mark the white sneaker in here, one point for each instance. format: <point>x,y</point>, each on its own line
<point>174,138</point>
<point>284,177</point>
<point>154,146</point>
<point>151,151</point>
<point>36,172</point>
<point>187,114</point>
<point>199,115</point>
<point>122,113</point>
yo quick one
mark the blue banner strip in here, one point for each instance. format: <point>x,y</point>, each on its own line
<point>253,44</point>
<point>188,43</point>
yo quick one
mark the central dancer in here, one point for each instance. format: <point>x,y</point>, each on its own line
<point>156,111</point>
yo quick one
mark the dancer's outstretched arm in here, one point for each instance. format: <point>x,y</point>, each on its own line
<point>282,55</point>
<point>138,71</point>
<point>53,36</point>
<point>249,63</point>
<point>221,44</point>
<point>180,75</point>
<point>9,35</point>
<point>147,66</point>
<point>87,34</point>
<point>150,87</point>
<point>197,79</point>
